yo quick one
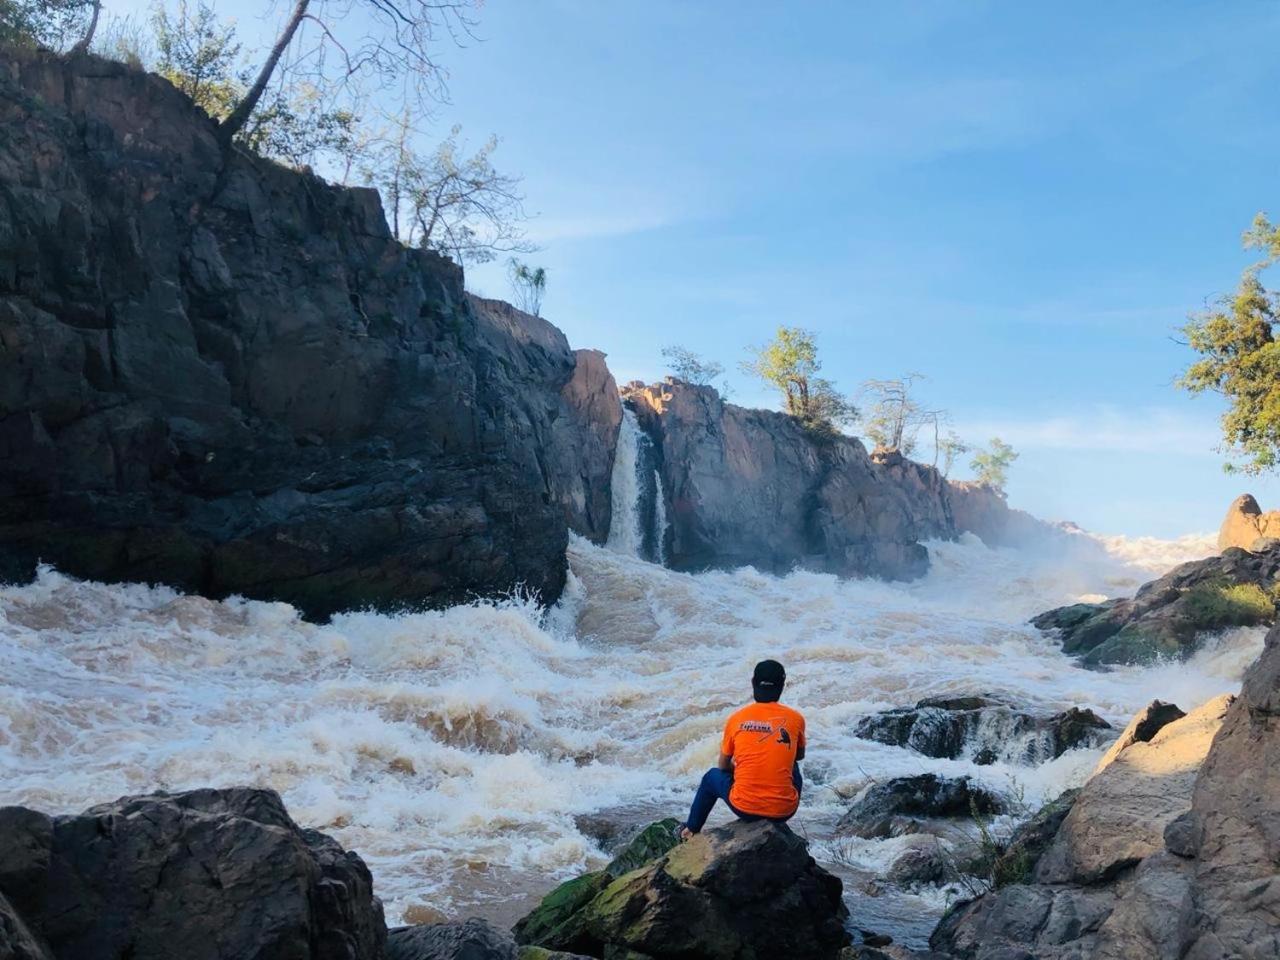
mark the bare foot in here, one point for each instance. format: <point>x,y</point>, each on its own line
<point>685,834</point>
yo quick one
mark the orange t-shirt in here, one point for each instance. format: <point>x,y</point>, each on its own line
<point>763,739</point>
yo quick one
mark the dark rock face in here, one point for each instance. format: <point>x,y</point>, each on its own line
<point>737,892</point>
<point>984,729</point>
<point>1170,616</point>
<point>469,940</point>
<point>204,874</point>
<point>227,376</point>
<point>901,805</point>
<point>754,487</point>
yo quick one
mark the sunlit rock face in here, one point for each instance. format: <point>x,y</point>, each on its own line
<point>224,375</point>
<point>1245,525</point>
<point>754,487</point>
<point>1169,850</point>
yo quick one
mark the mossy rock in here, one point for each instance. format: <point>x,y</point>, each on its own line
<point>649,844</point>
<point>555,922</point>
<point>558,921</point>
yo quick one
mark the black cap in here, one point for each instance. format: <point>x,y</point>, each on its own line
<point>767,680</point>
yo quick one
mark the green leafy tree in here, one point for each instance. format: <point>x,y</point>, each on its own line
<point>52,24</point>
<point>992,465</point>
<point>690,367</point>
<point>790,364</point>
<point>1240,359</point>
<point>528,284</point>
<point>949,448</point>
<point>198,53</point>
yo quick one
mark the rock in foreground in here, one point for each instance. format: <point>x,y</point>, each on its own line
<point>1170,852</point>
<point>745,891</point>
<point>1169,617</point>
<point>203,875</point>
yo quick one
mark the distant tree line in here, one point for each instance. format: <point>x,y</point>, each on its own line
<point>891,417</point>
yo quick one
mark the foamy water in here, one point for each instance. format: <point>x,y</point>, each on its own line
<point>452,749</point>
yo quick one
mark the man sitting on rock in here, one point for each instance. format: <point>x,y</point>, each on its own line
<point>758,774</point>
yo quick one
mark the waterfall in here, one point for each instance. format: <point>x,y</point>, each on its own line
<point>624,528</point>
<point>659,520</point>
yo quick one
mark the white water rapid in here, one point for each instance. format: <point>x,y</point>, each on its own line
<point>453,749</point>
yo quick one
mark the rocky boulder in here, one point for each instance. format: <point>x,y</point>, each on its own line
<point>1245,525</point>
<point>984,730</point>
<point>983,511</point>
<point>905,804</point>
<point>227,376</point>
<point>203,874</point>
<point>1169,617</point>
<point>738,892</point>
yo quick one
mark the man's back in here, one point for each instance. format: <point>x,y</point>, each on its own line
<point>764,740</point>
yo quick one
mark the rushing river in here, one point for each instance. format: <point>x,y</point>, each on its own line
<point>453,749</point>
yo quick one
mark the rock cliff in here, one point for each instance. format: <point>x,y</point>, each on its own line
<point>227,376</point>
<point>755,487</point>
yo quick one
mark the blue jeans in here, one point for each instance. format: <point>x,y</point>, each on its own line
<point>715,785</point>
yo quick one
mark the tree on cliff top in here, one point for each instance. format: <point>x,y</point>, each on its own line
<point>690,367</point>
<point>528,284</point>
<point>448,200</point>
<point>790,364</point>
<point>339,44</point>
<point>894,417</point>
<point>992,465</point>
<point>55,24</point>
<point>1240,358</point>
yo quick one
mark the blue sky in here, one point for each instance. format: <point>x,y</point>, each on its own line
<point>1021,201</point>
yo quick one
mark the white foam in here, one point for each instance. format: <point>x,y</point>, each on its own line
<point>453,748</point>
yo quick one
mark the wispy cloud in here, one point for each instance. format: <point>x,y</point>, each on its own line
<point>1151,430</point>
<point>544,230</point>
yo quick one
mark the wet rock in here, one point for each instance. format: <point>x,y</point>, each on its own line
<point>472,939</point>
<point>1170,617</point>
<point>921,863</point>
<point>902,805</point>
<point>227,376</point>
<point>16,941</point>
<point>984,730</point>
<point>203,874</point>
<point>746,889</point>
